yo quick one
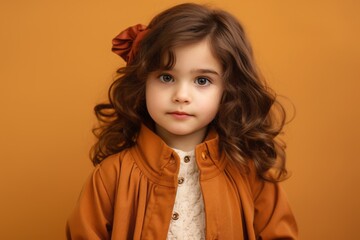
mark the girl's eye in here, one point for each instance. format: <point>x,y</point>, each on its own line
<point>202,81</point>
<point>166,78</point>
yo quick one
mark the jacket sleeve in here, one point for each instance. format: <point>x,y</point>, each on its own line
<point>93,213</point>
<point>273,218</point>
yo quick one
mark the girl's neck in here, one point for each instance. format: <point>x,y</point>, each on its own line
<point>184,143</point>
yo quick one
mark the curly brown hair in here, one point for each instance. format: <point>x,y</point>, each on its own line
<point>250,117</point>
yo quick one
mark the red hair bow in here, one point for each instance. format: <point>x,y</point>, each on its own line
<point>126,43</point>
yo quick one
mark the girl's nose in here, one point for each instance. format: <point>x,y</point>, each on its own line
<point>182,94</point>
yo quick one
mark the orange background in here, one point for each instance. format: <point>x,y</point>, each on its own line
<point>56,64</point>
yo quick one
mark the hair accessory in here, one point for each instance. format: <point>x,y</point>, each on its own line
<point>125,44</point>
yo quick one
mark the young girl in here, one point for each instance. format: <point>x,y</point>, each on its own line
<point>186,147</point>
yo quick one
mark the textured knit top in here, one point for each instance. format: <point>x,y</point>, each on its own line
<point>188,218</point>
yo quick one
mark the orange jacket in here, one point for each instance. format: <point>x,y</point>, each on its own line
<point>131,195</point>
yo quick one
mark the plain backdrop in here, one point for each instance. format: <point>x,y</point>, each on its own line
<point>56,64</point>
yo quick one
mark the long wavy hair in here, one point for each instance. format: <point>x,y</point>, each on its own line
<point>250,118</point>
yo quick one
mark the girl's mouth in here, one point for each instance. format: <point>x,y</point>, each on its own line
<point>180,115</point>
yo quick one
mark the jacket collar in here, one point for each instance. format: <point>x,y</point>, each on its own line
<point>161,164</point>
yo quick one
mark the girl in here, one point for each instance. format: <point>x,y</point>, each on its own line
<point>186,147</point>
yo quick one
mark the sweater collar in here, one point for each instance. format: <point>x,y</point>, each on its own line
<point>160,163</point>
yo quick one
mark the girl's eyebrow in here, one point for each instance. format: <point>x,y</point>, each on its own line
<point>201,70</point>
<point>197,71</point>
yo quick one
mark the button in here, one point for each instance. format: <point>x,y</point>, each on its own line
<point>181,180</point>
<point>186,159</point>
<point>175,216</point>
<point>203,155</point>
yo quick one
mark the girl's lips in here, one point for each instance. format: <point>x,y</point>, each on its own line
<point>180,115</point>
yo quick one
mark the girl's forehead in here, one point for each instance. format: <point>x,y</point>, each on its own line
<point>192,58</point>
<point>169,56</point>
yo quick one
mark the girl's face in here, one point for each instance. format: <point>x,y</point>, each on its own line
<point>184,100</point>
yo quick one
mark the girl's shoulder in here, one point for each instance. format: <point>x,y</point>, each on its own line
<point>248,176</point>
<point>110,168</point>
<point>114,161</point>
<point>108,172</point>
